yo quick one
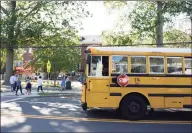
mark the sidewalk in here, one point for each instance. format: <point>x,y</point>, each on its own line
<point>76,89</point>
<point>34,93</point>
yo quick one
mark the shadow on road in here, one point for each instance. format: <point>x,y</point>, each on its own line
<point>70,106</point>
<point>27,124</point>
<point>157,115</point>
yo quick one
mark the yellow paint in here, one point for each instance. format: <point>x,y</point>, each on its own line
<point>98,91</point>
<point>139,53</point>
<point>173,102</point>
<point>95,119</point>
<point>83,94</point>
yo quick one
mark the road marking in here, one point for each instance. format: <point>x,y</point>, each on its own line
<point>42,102</point>
<point>96,119</point>
<point>19,97</point>
<point>12,100</point>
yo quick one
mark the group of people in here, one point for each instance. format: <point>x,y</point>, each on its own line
<point>16,85</point>
<point>63,82</point>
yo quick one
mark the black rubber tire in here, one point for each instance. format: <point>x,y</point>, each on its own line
<point>124,108</point>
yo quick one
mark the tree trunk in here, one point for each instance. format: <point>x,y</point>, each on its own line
<point>9,66</point>
<point>12,42</point>
<point>55,78</point>
<point>191,27</point>
<point>159,27</point>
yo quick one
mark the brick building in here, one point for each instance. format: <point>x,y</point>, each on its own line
<point>88,41</point>
<point>27,56</point>
<point>22,67</point>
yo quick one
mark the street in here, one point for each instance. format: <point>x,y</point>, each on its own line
<point>135,55</point>
<point>64,114</point>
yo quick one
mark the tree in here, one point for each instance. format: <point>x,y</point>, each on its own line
<point>113,6</point>
<point>177,7</point>
<point>159,24</point>
<point>62,55</point>
<point>3,60</point>
<point>149,17</point>
<point>112,38</point>
<point>145,18</point>
<point>24,23</point>
<point>174,35</point>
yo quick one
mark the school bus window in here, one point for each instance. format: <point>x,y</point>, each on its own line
<point>138,64</point>
<point>99,66</point>
<point>119,64</point>
<point>174,65</point>
<point>188,65</point>
<point>156,64</point>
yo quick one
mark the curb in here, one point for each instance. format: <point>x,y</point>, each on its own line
<point>4,91</point>
<point>52,95</point>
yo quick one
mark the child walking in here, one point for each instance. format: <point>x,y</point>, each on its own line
<point>63,83</point>
<point>18,86</point>
<point>28,87</point>
<point>40,84</point>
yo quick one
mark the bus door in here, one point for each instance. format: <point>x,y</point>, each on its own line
<point>98,81</point>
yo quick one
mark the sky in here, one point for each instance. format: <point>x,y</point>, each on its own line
<point>101,21</point>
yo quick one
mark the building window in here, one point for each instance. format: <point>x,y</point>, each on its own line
<point>174,65</point>
<point>156,64</point>
<point>120,64</point>
<point>138,64</point>
<point>188,65</point>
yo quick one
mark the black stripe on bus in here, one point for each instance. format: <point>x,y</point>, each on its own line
<point>187,106</point>
<point>153,86</point>
<point>115,94</point>
<point>153,75</point>
<point>170,95</point>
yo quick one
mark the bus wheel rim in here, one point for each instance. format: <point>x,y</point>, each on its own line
<point>134,107</point>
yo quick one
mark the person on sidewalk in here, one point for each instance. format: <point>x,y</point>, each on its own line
<point>13,82</point>
<point>40,84</point>
<point>63,83</point>
<point>68,83</point>
<point>19,87</point>
<point>28,87</point>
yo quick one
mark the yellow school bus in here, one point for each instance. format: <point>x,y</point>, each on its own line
<point>134,79</point>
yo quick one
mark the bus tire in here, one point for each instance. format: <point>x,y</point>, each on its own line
<point>133,107</point>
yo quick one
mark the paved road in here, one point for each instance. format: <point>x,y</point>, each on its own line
<point>64,114</point>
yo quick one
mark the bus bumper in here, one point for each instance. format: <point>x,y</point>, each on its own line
<point>84,106</point>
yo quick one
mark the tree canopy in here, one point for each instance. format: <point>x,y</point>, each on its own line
<point>39,23</point>
<point>149,18</point>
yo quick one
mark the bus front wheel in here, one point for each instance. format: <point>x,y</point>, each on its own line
<point>133,107</point>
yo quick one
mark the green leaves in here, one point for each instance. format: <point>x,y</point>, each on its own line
<point>174,35</point>
<point>143,19</point>
<point>145,24</point>
<point>112,38</point>
<point>44,23</point>
<point>177,7</point>
<point>3,59</point>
